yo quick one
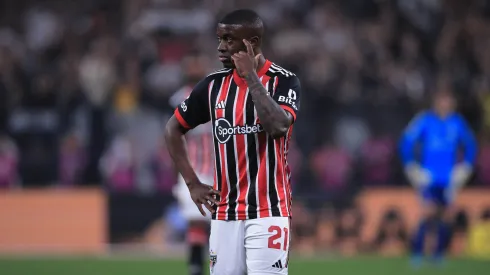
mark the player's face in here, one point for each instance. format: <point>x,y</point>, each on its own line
<point>230,41</point>
<point>444,104</point>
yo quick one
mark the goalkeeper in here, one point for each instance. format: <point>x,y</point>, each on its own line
<point>434,170</point>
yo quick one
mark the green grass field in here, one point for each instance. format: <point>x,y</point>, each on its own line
<point>133,266</point>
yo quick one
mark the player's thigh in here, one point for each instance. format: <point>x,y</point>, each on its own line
<point>436,201</point>
<point>267,245</point>
<point>226,249</point>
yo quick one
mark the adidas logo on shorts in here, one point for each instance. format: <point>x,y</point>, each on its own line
<point>278,264</point>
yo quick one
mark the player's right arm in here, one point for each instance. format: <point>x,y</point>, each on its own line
<point>410,137</point>
<point>192,112</point>
<point>417,176</point>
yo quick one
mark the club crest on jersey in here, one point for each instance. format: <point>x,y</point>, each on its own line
<point>213,258</point>
<point>223,130</point>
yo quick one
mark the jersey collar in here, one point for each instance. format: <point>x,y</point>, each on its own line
<point>241,82</point>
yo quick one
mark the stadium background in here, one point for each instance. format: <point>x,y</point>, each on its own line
<point>84,89</point>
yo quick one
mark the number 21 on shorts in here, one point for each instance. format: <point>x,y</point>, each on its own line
<point>278,240</point>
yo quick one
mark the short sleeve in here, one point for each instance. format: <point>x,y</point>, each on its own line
<point>287,94</point>
<point>194,110</point>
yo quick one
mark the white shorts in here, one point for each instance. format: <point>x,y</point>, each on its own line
<point>187,206</point>
<point>255,247</point>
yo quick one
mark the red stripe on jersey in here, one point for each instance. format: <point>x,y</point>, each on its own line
<point>181,119</point>
<point>288,170</point>
<point>263,208</point>
<point>221,210</point>
<point>290,110</point>
<point>281,183</point>
<point>276,80</point>
<point>262,178</point>
<point>241,155</point>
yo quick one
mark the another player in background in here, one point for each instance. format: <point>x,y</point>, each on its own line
<point>201,155</point>
<point>252,104</point>
<point>436,172</point>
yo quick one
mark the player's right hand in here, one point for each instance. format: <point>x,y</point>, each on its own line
<point>203,194</point>
<point>417,176</point>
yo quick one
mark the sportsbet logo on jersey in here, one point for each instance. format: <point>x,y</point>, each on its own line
<point>223,130</point>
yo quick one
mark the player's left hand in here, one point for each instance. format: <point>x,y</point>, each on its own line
<point>460,174</point>
<point>246,62</point>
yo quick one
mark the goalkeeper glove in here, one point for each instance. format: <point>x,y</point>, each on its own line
<point>460,175</point>
<point>417,176</point>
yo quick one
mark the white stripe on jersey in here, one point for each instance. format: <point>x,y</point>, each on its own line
<point>226,161</point>
<point>277,69</point>
<point>219,72</point>
<point>214,147</point>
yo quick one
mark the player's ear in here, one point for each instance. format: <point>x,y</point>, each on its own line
<point>255,41</point>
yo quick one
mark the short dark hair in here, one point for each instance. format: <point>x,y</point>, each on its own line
<point>243,17</point>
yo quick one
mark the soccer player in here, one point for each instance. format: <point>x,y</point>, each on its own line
<point>199,144</point>
<point>252,105</point>
<point>436,174</point>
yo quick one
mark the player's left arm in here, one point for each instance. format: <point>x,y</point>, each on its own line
<point>462,171</point>
<point>274,119</point>
<point>275,116</point>
<point>468,140</point>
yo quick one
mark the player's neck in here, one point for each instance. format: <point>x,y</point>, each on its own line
<point>261,63</point>
<point>442,115</point>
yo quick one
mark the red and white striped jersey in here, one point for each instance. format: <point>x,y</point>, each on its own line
<point>199,141</point>
<point>252,172</point>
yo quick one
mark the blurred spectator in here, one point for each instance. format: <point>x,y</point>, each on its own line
<point>332,165</point>
<point>364,63</point>
<point>392,236</point>
<point>479,235</point>
<point>294,161</point>
<point>303,229</point>
<point>377,155</point>
<point>8,163</point>
<point>460,227</point>
<point>164,170</point>
<point>85,86</point>
<point>118,165</point>
<point>483,161</point>
<point>349,232</point>
<point>72,161</point>
<point>97,71</point>
<point>97,78</point>
<point>326,229</point>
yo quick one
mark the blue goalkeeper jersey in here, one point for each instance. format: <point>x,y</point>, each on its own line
<point>439,140</point>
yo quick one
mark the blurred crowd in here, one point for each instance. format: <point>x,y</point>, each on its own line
<point>341,232</point>
<point>85,85</point>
